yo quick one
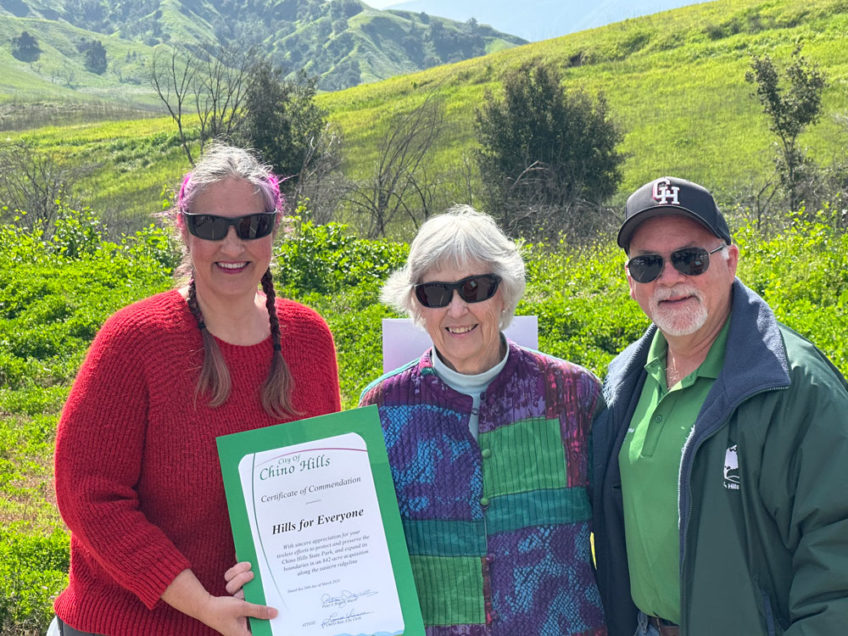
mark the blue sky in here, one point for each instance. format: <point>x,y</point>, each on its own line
<point>539,19</point>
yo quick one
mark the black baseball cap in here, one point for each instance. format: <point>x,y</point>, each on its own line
<point>669,195</point>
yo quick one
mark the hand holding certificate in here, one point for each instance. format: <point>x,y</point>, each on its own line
<point>312,507</point>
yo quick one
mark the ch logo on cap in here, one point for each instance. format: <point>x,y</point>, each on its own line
<point>664,193</point>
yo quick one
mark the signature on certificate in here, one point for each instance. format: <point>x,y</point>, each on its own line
<point>344,598</point>
<point>337,618</point>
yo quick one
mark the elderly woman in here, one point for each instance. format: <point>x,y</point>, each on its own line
<point>488,446</point>
<point>137,475</point>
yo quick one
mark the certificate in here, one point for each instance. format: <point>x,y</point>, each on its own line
<point>312,507</point>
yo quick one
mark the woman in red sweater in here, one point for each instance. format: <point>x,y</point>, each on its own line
<point>137,475</point>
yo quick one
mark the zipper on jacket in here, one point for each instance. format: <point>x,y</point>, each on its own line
<point>767,612</point>
<point>684,518</point>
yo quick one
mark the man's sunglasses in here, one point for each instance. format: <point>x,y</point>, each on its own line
<point>689,261</point>
<point>211,227</point>
<point>473,289</point>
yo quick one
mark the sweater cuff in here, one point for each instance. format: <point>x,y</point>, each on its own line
<point>161,574</point>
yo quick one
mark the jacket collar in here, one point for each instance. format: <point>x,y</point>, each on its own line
<point>756,357</point>
<point>755,360</point>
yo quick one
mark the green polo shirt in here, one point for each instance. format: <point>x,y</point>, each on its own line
<point>650,465</point>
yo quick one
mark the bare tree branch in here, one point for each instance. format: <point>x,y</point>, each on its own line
<point>385,195</point>
<point>320,179</point>
<point>32,185</point>
<point>172,81</point>
<point>215,80</point>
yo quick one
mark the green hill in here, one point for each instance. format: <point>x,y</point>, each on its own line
<point>342,43</point>
<point>674,82</point>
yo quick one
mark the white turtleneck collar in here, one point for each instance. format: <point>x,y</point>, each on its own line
<point>472,385</point>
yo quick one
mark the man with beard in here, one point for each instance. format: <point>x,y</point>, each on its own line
<point>721,461</point>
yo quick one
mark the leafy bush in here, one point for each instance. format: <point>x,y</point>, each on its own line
<point>33,570</point>
<point>153,249</point>
<point>354,316</point>
<point>327,258</point>
<point>25,47</point>
<point>76,233</point>
<point>95,57</point>
<point>803,274</point>
<point>548,156</point>
<point>56,293</point>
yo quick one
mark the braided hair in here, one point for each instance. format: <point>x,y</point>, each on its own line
<point>277,389</point>
<point>222,162</point>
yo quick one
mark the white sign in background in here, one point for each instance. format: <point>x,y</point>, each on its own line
<point>404,341</point>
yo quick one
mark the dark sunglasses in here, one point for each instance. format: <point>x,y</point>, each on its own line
<point>473,289</point>
<point>211,227</point>
<point>689,261</point>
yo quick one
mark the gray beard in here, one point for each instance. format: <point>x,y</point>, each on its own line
<point>672,323</point>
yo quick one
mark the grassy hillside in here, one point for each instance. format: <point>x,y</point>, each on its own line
<point>674,81</point>
<point>131,165</point>
<point>340,43</point>
<point>57,86</point>
<point>541,19</point>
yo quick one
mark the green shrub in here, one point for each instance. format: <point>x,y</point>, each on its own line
<point>76,233</point>
<point>153,247</point>
<point>55,293</point>
<point>33,570</point>
<point>327,258</point>
<point>803,275</point>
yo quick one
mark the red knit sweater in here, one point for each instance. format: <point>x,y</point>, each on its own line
<point>138,480</point>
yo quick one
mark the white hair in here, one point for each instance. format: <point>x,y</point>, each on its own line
<point>456,238</point>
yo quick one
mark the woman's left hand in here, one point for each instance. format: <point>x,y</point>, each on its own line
<point>228,615</point>
<point>225,614</point>
<point>237,577</point>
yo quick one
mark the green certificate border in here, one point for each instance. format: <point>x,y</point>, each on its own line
<point>363,421</point>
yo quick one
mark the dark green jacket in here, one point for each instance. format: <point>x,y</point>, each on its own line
<point>763,487</point>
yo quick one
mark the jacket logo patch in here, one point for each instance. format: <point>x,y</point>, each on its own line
<point>731,469</point>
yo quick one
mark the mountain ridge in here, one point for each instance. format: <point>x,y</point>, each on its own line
<point>342,43</point>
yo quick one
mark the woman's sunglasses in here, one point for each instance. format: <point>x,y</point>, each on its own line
<point>210,227</point>
<point>689,261</point>
<point>474,289</point>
